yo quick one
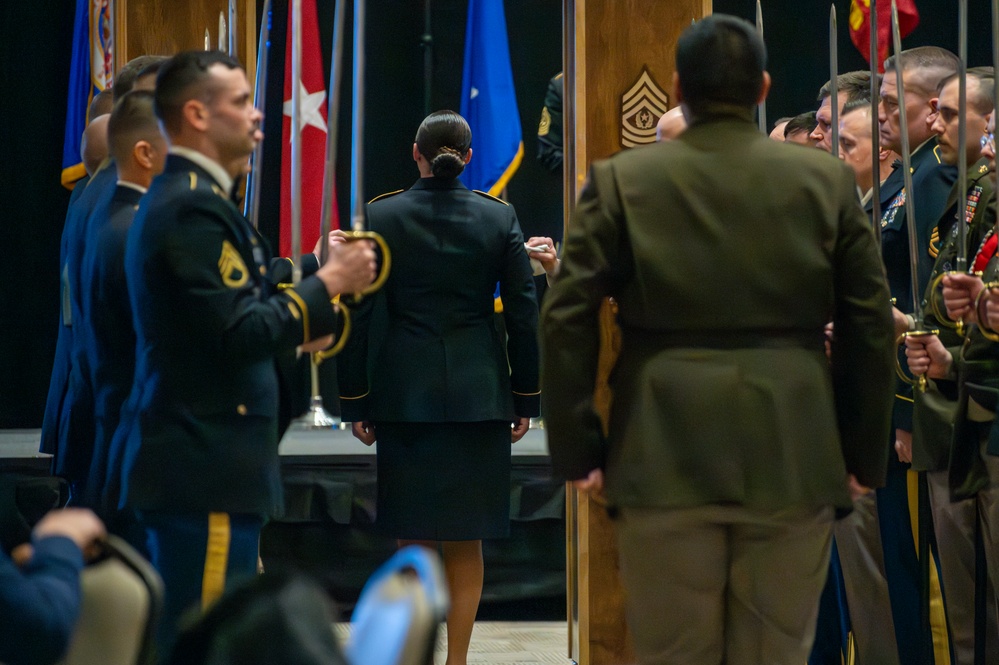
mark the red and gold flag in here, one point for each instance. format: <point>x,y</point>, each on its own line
<point>860,31</point>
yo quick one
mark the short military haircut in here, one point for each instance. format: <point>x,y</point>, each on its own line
<point>100,104</point>
<point>720,60</point>
<point>980,88</point>
<point>804,122</point>
<point>125,79</point>
<point>856,85</point>
<point>931,64</point>
<point>185,77</point>
<point>856,105</point>
<point>132,120</point>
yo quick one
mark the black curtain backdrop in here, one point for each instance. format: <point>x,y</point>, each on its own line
<point>35,41</point>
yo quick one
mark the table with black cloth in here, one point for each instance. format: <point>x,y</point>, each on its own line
<point>328,528</point>
<point>27,491</point>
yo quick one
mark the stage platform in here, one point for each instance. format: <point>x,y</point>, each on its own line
<point>329,527</point>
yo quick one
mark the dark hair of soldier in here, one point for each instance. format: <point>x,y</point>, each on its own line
<point>720,61</point>
<point>132,120</point>
<point>443,139</point>
<point>856,85</point>
<point>856,104</point>
<point>980,94</point>
<point>803,122</point>
<point>100,104</point>
<point>931,64</point>
<point>125,78</point>
<point>185,77</point>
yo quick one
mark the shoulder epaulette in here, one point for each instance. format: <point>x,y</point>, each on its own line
<point>386,195</point>
<point>490,196</point>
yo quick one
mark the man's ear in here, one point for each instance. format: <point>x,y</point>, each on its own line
<point>764,87</point>
<point>677,89</point>
<point>143,153</point>
<point>934,111</point>
<point>196,114</point>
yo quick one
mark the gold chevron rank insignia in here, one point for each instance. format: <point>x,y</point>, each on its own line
<point>231,267</point>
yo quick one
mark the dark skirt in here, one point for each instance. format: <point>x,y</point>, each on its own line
<point>444,481</point>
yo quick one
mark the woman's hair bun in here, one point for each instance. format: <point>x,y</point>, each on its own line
<point>447,164</point>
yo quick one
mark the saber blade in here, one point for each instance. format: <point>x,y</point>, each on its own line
<point>761,109</point>
<point>961,261</point>
<point>332,125</point>
<point>833,83</point>
<point>910,203</point>
<point>875,58</point>
<point>357,140</point>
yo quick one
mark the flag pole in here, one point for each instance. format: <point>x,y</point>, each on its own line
<point>296,140</point>
<point>427,42</point>
<point>318,417</point>
<point>252,204</point>
<point>232,30</point>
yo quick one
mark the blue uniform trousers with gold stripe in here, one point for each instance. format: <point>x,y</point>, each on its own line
<point>199,556</point>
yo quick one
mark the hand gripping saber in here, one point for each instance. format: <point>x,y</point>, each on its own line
<point>910,208</point>
<point>357,231</point>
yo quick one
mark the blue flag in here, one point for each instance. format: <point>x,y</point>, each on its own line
<point>488,101</point>
<point>89,73</point>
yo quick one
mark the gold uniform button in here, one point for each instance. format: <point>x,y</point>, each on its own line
<point>241,409</point>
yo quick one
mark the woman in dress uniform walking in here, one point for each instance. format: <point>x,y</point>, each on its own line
<point>448,393</point>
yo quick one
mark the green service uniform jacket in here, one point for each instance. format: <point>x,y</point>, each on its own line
<point>442,358</point>
<point>727,254</point>
<point>200,429</point>
<point>934,411</point>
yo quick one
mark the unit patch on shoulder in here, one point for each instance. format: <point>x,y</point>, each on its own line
<point>386,195</point>
<point>490,196</point>
<point>231,267</point>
